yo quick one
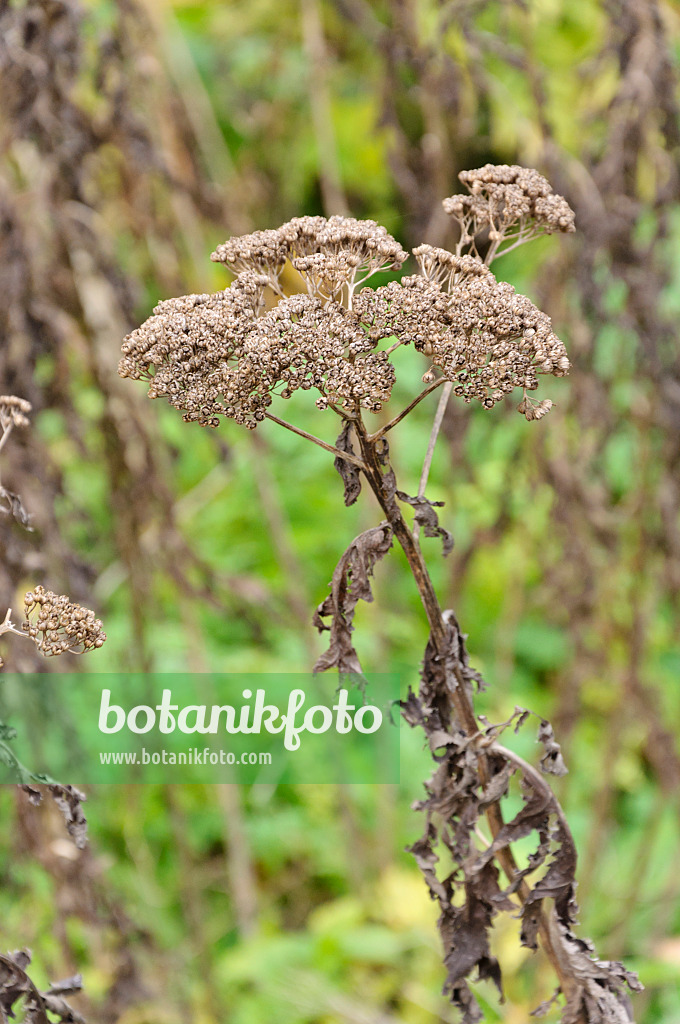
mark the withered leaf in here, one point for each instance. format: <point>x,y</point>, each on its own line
<point>351,475</point>
<point>464,931</point>
<point>69,800</point>
<point>541,1010</point>
<point>497,786</point>
<point>558,883</point>
<point>15,984</point>
<point>61,1009</point>
<point>600,998</point>
<point>427,519</point>
<point>66,987</point>
<point>12,504</point>
<point>427,860</point>
<point>552,762</point>
<point>350,584</point>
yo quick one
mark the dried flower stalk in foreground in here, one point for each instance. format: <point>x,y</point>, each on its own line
<point>233,353</point>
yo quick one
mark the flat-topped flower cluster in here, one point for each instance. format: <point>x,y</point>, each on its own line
<point>229,354</point>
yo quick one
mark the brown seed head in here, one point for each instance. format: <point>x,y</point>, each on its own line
<point>56,624</point>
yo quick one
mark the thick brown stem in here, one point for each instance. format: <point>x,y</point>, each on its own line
<point>461,705</point>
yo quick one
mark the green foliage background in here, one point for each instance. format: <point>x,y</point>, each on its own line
<point>297,904</point>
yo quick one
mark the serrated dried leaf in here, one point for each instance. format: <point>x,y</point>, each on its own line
<point>15,984</point>
<point>465,933</point>
<point>69,800</point>
<point>350,584</point>
<point>552,762</point>
<point>558,883</point>
<point>428,520</point>
<point>350,473</point>
<point>600,996</point>
<point>11,503</point>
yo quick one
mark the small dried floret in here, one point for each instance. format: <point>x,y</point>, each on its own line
<point>445,268</point>
<point>306,343</point>
<point>14,411</point>
<point>57,625</point>
<point>327,274</point>
<point>534,410</point>
<point>191,352</point>
<point>261,251</point>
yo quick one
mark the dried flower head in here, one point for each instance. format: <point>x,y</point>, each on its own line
<point>485,337</point>
<point>357,245</point>
<point>510,204</point>
<point>191,353</point>
<point>14,411</point>
<point>213,356</point>
<point>225,355</point>
<point>56,624</point>
<point>231,353</point>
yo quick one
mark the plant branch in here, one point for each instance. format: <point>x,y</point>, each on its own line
<point>460,704</point>
<point>434,434</point>
<point>6,626</point>
<point>317,440</point>
<point>441,408</point>
<point>397,419</point>
<point>6,432</point>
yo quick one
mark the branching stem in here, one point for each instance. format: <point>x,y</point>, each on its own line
<point>434,434</point>
<point>461,706</point>
<point>7,626</point>
<point>7,431</point>
<point>397,419</point>
<point>347,456</point>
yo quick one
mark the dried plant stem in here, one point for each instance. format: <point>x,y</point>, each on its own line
<point>444,401</point>
<point>397,419</point>
<point>6,626</point>
<point>461,705</point>
<point>241,871</point>
<point>434,434</point>
<point>347,456</point>
<point>6,432</point>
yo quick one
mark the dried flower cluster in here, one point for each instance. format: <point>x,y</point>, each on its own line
<point>507,204</point>
<point>13,411</point>
<point>339,247</point>
<point>56,624</point>
<point>229,354</point>
<point>485,337</point>
<point>224,355</point>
